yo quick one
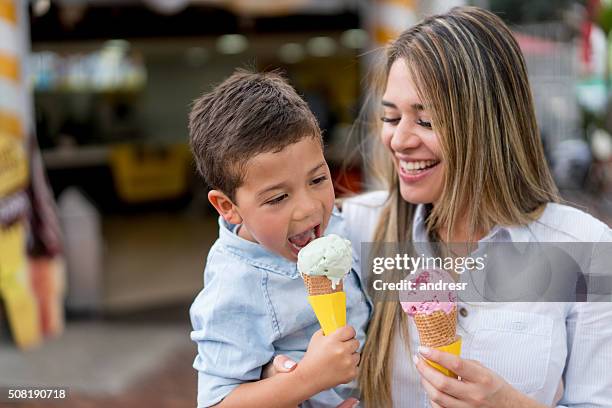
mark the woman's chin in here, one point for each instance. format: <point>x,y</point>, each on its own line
<point>416,195</point>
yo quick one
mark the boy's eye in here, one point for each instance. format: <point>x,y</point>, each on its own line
<point>319,180</point>
<point>390,120</point>
<point>277,200</point>
<point>426,125</point>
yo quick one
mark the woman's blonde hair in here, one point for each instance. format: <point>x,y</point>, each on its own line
<point>470,73</point>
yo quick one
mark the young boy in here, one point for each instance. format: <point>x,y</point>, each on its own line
<point>259,148</point>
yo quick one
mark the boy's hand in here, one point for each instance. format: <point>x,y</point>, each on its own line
<point>330,360</point>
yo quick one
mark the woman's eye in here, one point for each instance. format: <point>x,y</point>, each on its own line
<point>319,180</point>
<point>426,125</point>
<point>277,200</point>
<point>390,120</point>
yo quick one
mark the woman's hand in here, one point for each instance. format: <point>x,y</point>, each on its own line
<point>478,387</point>
<point>283,364</point>
<point>280,364</point>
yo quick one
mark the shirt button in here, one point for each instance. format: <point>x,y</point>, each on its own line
<point>463,312</point>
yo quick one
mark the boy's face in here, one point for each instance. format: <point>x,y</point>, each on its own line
<point>287,198</point>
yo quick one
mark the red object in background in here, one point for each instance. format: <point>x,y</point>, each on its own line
<point>592,8</point>
<point>48,283</point>
<point>347,181</point>
<point>534,45</point>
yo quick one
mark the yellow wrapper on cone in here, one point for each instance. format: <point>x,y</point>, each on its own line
<point>330,310</point>
<point>329,304</point>
<point>453,348</point>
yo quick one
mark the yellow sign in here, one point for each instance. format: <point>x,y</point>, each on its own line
<point>15,288</point>
<point>13,165</point>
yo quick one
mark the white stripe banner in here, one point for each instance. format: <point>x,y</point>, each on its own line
<point>9,38</point>
<point>12,99</point>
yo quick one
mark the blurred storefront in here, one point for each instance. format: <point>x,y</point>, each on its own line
<point>113,82</point>
<point>106,96</point>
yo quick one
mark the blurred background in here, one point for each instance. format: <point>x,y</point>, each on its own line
<point>104,226</point>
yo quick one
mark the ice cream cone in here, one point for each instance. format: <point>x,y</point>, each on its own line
<point>323,264</point>
<point>434,314</point>
<point>320,285</point>
<point>328,303</point>
<point>439,330</point>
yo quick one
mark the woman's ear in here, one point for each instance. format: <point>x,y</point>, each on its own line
<point>224,206</point>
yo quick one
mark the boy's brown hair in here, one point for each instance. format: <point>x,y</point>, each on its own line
<point>246,115</point>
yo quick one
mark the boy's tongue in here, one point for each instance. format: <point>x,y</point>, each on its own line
<point>301,239</point>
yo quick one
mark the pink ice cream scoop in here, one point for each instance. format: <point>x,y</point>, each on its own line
<point>427,301</point>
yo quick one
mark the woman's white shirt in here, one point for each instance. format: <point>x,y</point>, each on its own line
<point>535,346</point>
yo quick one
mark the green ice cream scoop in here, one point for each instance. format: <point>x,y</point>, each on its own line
<point>329,256</point>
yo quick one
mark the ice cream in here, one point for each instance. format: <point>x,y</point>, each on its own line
<point>427,302</point>
<point>434,314</point>
<point>323,264</point>
<point>330,256</point>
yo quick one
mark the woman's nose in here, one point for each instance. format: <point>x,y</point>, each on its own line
<point>404,138</point>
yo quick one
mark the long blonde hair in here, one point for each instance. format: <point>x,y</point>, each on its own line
<point>471,73</point>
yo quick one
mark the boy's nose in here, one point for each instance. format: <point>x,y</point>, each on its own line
<point>306,208</point>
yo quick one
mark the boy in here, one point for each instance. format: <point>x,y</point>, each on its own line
<point>259,148</point>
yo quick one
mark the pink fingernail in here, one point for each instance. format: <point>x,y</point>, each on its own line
<point>415,359</point>
<point>289,364</point>
<point>424,350</point>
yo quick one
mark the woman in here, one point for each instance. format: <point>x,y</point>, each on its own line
<point>467,165</point>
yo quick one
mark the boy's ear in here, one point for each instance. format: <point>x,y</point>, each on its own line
<point>224,206</point>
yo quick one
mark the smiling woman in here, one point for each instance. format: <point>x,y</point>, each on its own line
<point>407,132</point>
<point>467,166</point>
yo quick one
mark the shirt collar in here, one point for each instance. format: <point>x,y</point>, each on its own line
<point>419,228</point>
<point>499,233</point>
<point>253,253</point>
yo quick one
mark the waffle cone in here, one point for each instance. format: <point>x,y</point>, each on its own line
<point>437,329</point>
<point>320,285</point>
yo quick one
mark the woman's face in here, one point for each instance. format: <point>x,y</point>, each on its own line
<point>407,133</point>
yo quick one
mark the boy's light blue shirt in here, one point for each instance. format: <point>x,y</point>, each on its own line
<point>253,307</point>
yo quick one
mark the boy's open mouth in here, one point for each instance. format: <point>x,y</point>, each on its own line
<point>302,239</point>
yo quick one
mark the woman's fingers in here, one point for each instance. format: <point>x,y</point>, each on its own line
<point>283,364</point>
<point>442,383</point>
<point>349,403</point>
<point>439,398</point>
<point>466,369</point>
